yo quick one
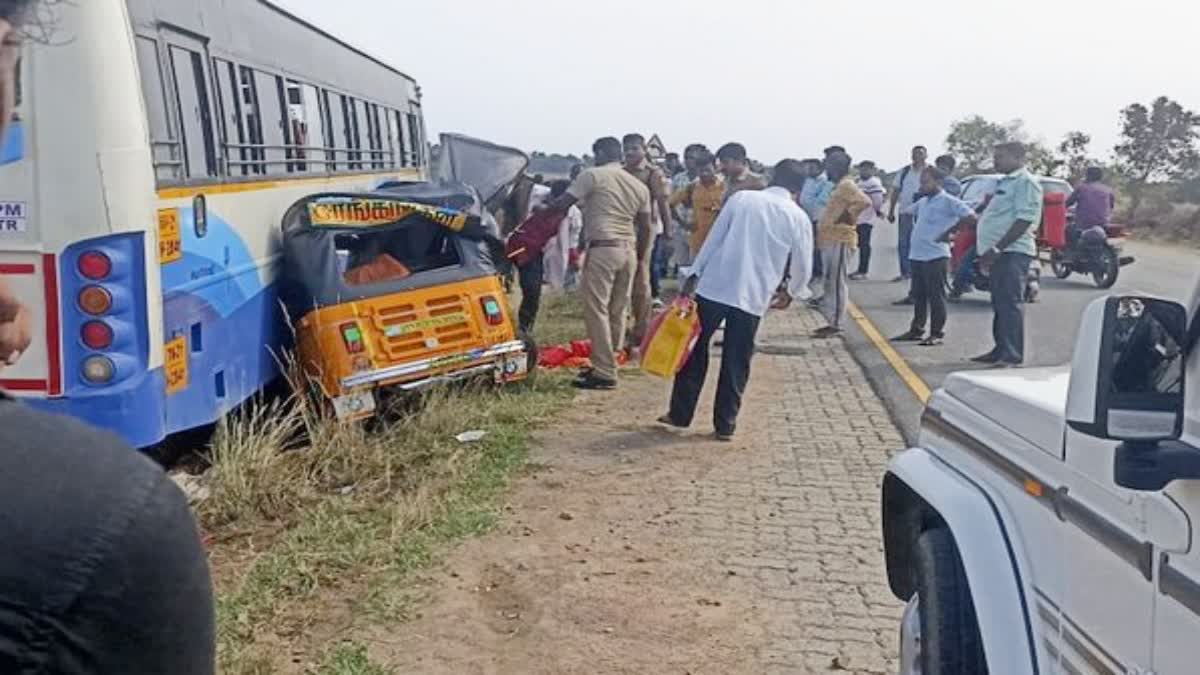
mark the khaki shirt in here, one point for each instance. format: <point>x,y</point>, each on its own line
<point>747,181</point>
<point>654,179</point>
<point>611,199</point>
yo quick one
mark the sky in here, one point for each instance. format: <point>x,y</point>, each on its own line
<point>784,77</point>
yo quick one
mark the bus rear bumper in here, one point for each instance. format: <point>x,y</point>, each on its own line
<point>135,413</point>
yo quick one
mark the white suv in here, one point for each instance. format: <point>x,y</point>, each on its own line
<point>1045,522</point>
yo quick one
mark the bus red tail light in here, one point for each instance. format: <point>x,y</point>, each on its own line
<point>95,265</point>
<point>492,311</point>
<point>95,300</point>
<point>97,335</point>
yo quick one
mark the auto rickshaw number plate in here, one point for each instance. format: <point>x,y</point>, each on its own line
<point>358,404</point>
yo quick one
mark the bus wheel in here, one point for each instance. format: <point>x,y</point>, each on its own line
<point>943,638</point>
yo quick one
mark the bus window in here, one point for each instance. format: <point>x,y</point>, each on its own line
<point>233,134</point>
<point>313,119</point>
<point>350,112</point>
<point>168,164</point>
<point>335,109</point>
<point>414,139</point>
<point>376,138</point>
<point>195,118</point>
<point>389,137</point>
<point>274,116</point>
<point>252,121</point>
<point>295,131</point>
<point>397,121</point>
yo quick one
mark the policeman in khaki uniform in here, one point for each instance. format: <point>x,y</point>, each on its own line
<point>616,224</point>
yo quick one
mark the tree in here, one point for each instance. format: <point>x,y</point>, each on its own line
<point>1157,143</point>
<point>971,141</point>
<point>1073,154</point>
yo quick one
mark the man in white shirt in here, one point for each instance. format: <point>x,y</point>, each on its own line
<point>736,277</point>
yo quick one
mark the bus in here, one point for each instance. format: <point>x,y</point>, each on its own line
<point>155,147</point>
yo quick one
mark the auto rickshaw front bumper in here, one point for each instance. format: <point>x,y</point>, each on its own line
<point>506,362</point>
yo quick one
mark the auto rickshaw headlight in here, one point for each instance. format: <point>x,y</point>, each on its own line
<point>352,336</point>
<point>492,311</point>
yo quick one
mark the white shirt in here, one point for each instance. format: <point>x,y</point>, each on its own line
<point>746,254</point>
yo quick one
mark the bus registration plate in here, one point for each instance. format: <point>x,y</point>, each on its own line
<point>176,365</point>
<point>170,243</point>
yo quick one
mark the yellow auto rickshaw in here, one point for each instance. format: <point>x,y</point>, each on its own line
<point>398,289</point>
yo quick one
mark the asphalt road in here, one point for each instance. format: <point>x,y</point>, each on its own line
<point>1051,323</point>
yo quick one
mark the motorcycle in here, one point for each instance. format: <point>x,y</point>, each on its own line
<point>1096,252</point>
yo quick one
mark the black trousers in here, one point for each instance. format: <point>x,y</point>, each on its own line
<point>531,294</point>
<point>864,247</point>
<point>737,350</point>
<point>929,295</point>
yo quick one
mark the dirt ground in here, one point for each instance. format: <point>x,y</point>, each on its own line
<point>630,548</point>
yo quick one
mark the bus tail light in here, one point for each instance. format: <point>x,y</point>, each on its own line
<point>98,370</point>
<point>492,311</point>
<point>95,300</point>
<point>352,336</point>
<point>97,335</point>
<point>95,265</point>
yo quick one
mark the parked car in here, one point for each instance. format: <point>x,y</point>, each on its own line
<point>1046,520</point>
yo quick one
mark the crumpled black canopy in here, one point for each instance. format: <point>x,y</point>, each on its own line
<point>311,277</point>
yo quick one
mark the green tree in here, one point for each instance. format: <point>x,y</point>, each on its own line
<point>1157,143</point>
<point>1073,154</point>
<point>972,139</point>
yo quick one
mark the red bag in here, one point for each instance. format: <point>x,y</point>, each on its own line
<point>527,241</point>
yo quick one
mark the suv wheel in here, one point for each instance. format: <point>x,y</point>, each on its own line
<point>939,634</point>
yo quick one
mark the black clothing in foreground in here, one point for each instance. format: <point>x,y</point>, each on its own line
<point>736,352</point>
<point>103,568</point>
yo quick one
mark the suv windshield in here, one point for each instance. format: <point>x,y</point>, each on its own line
<point>976,189</point>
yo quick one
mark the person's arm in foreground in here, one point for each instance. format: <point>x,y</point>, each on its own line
<point>800,265</point>
<point>716,237</point>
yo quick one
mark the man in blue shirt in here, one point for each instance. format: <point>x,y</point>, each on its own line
<point>1006,247</point>
<point>947,164</point>
<point>938,213</point>
<point>904,192</point>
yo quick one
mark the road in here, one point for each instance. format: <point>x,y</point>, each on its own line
<point>1051,323</point>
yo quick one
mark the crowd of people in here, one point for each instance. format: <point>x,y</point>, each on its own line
<point>742,242</point>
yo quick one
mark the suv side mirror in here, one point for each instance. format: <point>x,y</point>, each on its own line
<point>1127,377</point>
<point>1127,384</point>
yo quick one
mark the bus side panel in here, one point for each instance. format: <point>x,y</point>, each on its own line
<point>223,327</point>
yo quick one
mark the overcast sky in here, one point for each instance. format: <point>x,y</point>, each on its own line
<point>785,77</point>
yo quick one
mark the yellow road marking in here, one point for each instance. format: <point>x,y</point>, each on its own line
<point>905,371</point>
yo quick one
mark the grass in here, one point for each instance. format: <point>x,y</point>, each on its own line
<point>316,539</point>
<point>350,658</point>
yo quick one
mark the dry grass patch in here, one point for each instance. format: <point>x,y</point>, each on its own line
<point>317,537</point>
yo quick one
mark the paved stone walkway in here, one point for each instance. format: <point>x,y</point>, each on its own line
<point>798,522</point>
<point>633,549</point>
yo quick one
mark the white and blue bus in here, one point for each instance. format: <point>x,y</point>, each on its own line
<point>156,146</point>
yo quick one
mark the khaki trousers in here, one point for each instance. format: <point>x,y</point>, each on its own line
<point>642,298</point>
<point>608,273</point>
